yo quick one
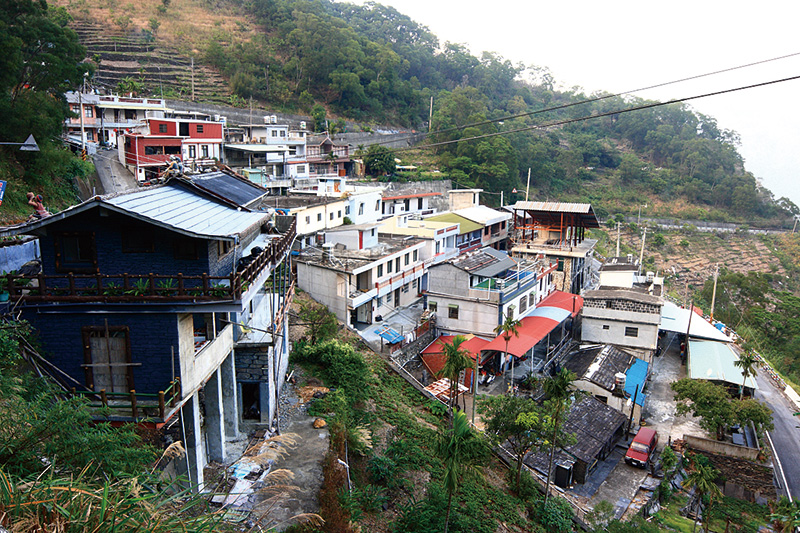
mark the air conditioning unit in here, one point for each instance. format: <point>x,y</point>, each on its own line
<point>274,119</point>
<point>266,119</point>
<point>303,125</point>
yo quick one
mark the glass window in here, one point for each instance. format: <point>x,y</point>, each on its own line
<point>397,265</point>
<point>308,219</point>
<point>631,332</point>
<point>406,259</point>
<point>331,215</point>
<point>192,151</point>
<point>199,128</point>
<point>75,252</point>
<point>162,128</point>
<point>380,270</point>
<point>433,306</point>
<point>389,267</point>
<point>360,209</point>
<point>204,151</point>
<point>319,217</point>
<point>452,311</point>
<point>87,112</point>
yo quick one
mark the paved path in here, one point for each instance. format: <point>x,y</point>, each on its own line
<point>114,178</point>
<point>785,437</point>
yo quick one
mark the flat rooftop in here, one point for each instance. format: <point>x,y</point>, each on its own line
<point>348,260</point>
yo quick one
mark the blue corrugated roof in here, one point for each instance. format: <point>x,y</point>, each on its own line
<point>389,335</point>
<point>636,375</point>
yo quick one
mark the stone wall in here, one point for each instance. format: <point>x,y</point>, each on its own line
<point>619,304</point>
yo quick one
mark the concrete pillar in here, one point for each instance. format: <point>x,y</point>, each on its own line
<point>215,423</point>
<point>230,397</point>
<point>192,465</point>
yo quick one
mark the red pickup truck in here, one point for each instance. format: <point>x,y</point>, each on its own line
<point>642,448</point>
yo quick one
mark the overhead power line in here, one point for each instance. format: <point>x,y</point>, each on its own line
<point>598,115</point>
<point>595,99</point>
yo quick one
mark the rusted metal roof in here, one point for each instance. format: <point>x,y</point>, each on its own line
<point>555,207</point>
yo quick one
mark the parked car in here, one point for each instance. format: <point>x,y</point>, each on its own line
<point>642,448</point>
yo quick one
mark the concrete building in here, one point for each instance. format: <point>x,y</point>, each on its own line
<point>626,273</point>
<point>473,292</point>
<point>493,222</point>
<point>414,201</point>
<point>267,153</point>
<point>314,214</point>
<point>557,231</point>
<point>360,275</point>
<point>144,296</point>
<point>440,236</point>
<point>625,318</point>
<point>105,118</point>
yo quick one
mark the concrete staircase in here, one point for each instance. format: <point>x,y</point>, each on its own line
<point>135,55</point>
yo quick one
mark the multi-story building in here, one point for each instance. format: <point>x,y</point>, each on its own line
<point>107,117</point>
<point>266,153</point>
<point>408,202</point>
<point>196,140</point>
<point>557,231</point>
<point>474,292</point>
<point>360,275</point>
<point>143,298</point>
<point>440,237</point>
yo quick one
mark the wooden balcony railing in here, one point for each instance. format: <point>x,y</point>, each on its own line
<point>120,288</point>
<point>132,404</point>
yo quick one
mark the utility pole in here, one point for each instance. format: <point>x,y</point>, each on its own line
<point>528,186</point>
<point>796,217</point>
<point>430,116</point>
<point>80,110</point>
<point>714,294</point>
<point>641,253</point>
<point>617,240</point>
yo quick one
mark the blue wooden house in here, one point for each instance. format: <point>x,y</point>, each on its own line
<point>142,298</point>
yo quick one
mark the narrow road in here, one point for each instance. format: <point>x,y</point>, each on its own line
<point>114,177</point>
<point>786,435</point>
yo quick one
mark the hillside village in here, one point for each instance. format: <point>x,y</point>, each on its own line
<point>170,302</point>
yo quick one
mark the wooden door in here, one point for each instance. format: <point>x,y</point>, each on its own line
<point>107,358</point>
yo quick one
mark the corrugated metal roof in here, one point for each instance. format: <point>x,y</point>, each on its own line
<point>483,215</point>
<point>187,211</point>
<point>556,207</point>
<point>714,361</point>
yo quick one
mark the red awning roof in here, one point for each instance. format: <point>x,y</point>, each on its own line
<point>473,345</point>
<point>535,328</point>
<point>563,300</point>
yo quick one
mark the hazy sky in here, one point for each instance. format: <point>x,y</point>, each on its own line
<point>624,45</point>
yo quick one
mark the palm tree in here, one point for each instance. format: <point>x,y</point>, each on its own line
<point>748,362</point>
<point>459,449</point>
<point>456,360</point>
<point>556,389</point>
<point>701,479</point>
<point>507,329</point>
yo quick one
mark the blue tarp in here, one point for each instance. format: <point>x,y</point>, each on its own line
<point>636,375</point>
<point>389,335</point>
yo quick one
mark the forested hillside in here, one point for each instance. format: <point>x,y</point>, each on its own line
<point>373,65</point>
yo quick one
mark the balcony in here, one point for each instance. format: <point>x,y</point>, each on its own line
<point>132,406</point>
<point>137,288</point>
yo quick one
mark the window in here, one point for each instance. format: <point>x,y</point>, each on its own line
<point>397,265</point>
<point>438,246</point>
<point>347,210</point>
<point>503,225</point>
<point>308,219</point>
<point>416,255</point>
<point>372,232</point>
<point>631,332</point>
<point>405,287</point>
<point>361,209</point>
<point>331,215</point>
<point>531,299</point>
<point>301,169</point>
<point>162,128</point>
<point>380,270</point>
<point>153,150</point>
<point>379,301</point>
<point>414,284</point>
<point>523,304</point>
<point>339,214</point>
<point>90,135</point>
<point>137,240</point>
<point>486,230</point>
<point>319,217</point>
<point>274,133</point>
<point>377,205</point>
<point>432,306</point>
<point>606,326</point>
<point>452,312</point>
<point>389,267</point>
<point>107,358</point>
<point>87,112</point>
<point>406,259</point>
<point>192,151</point>
<point>199,128</point>
<point>75,252</point>
<point>560,267</point>
<point>511,310</point>
<point>389,298</point>
<point>185,249</point>
<point>204,151</point>
<point>283,133</point>
<point>224,248</point>
<point>419,203</point>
